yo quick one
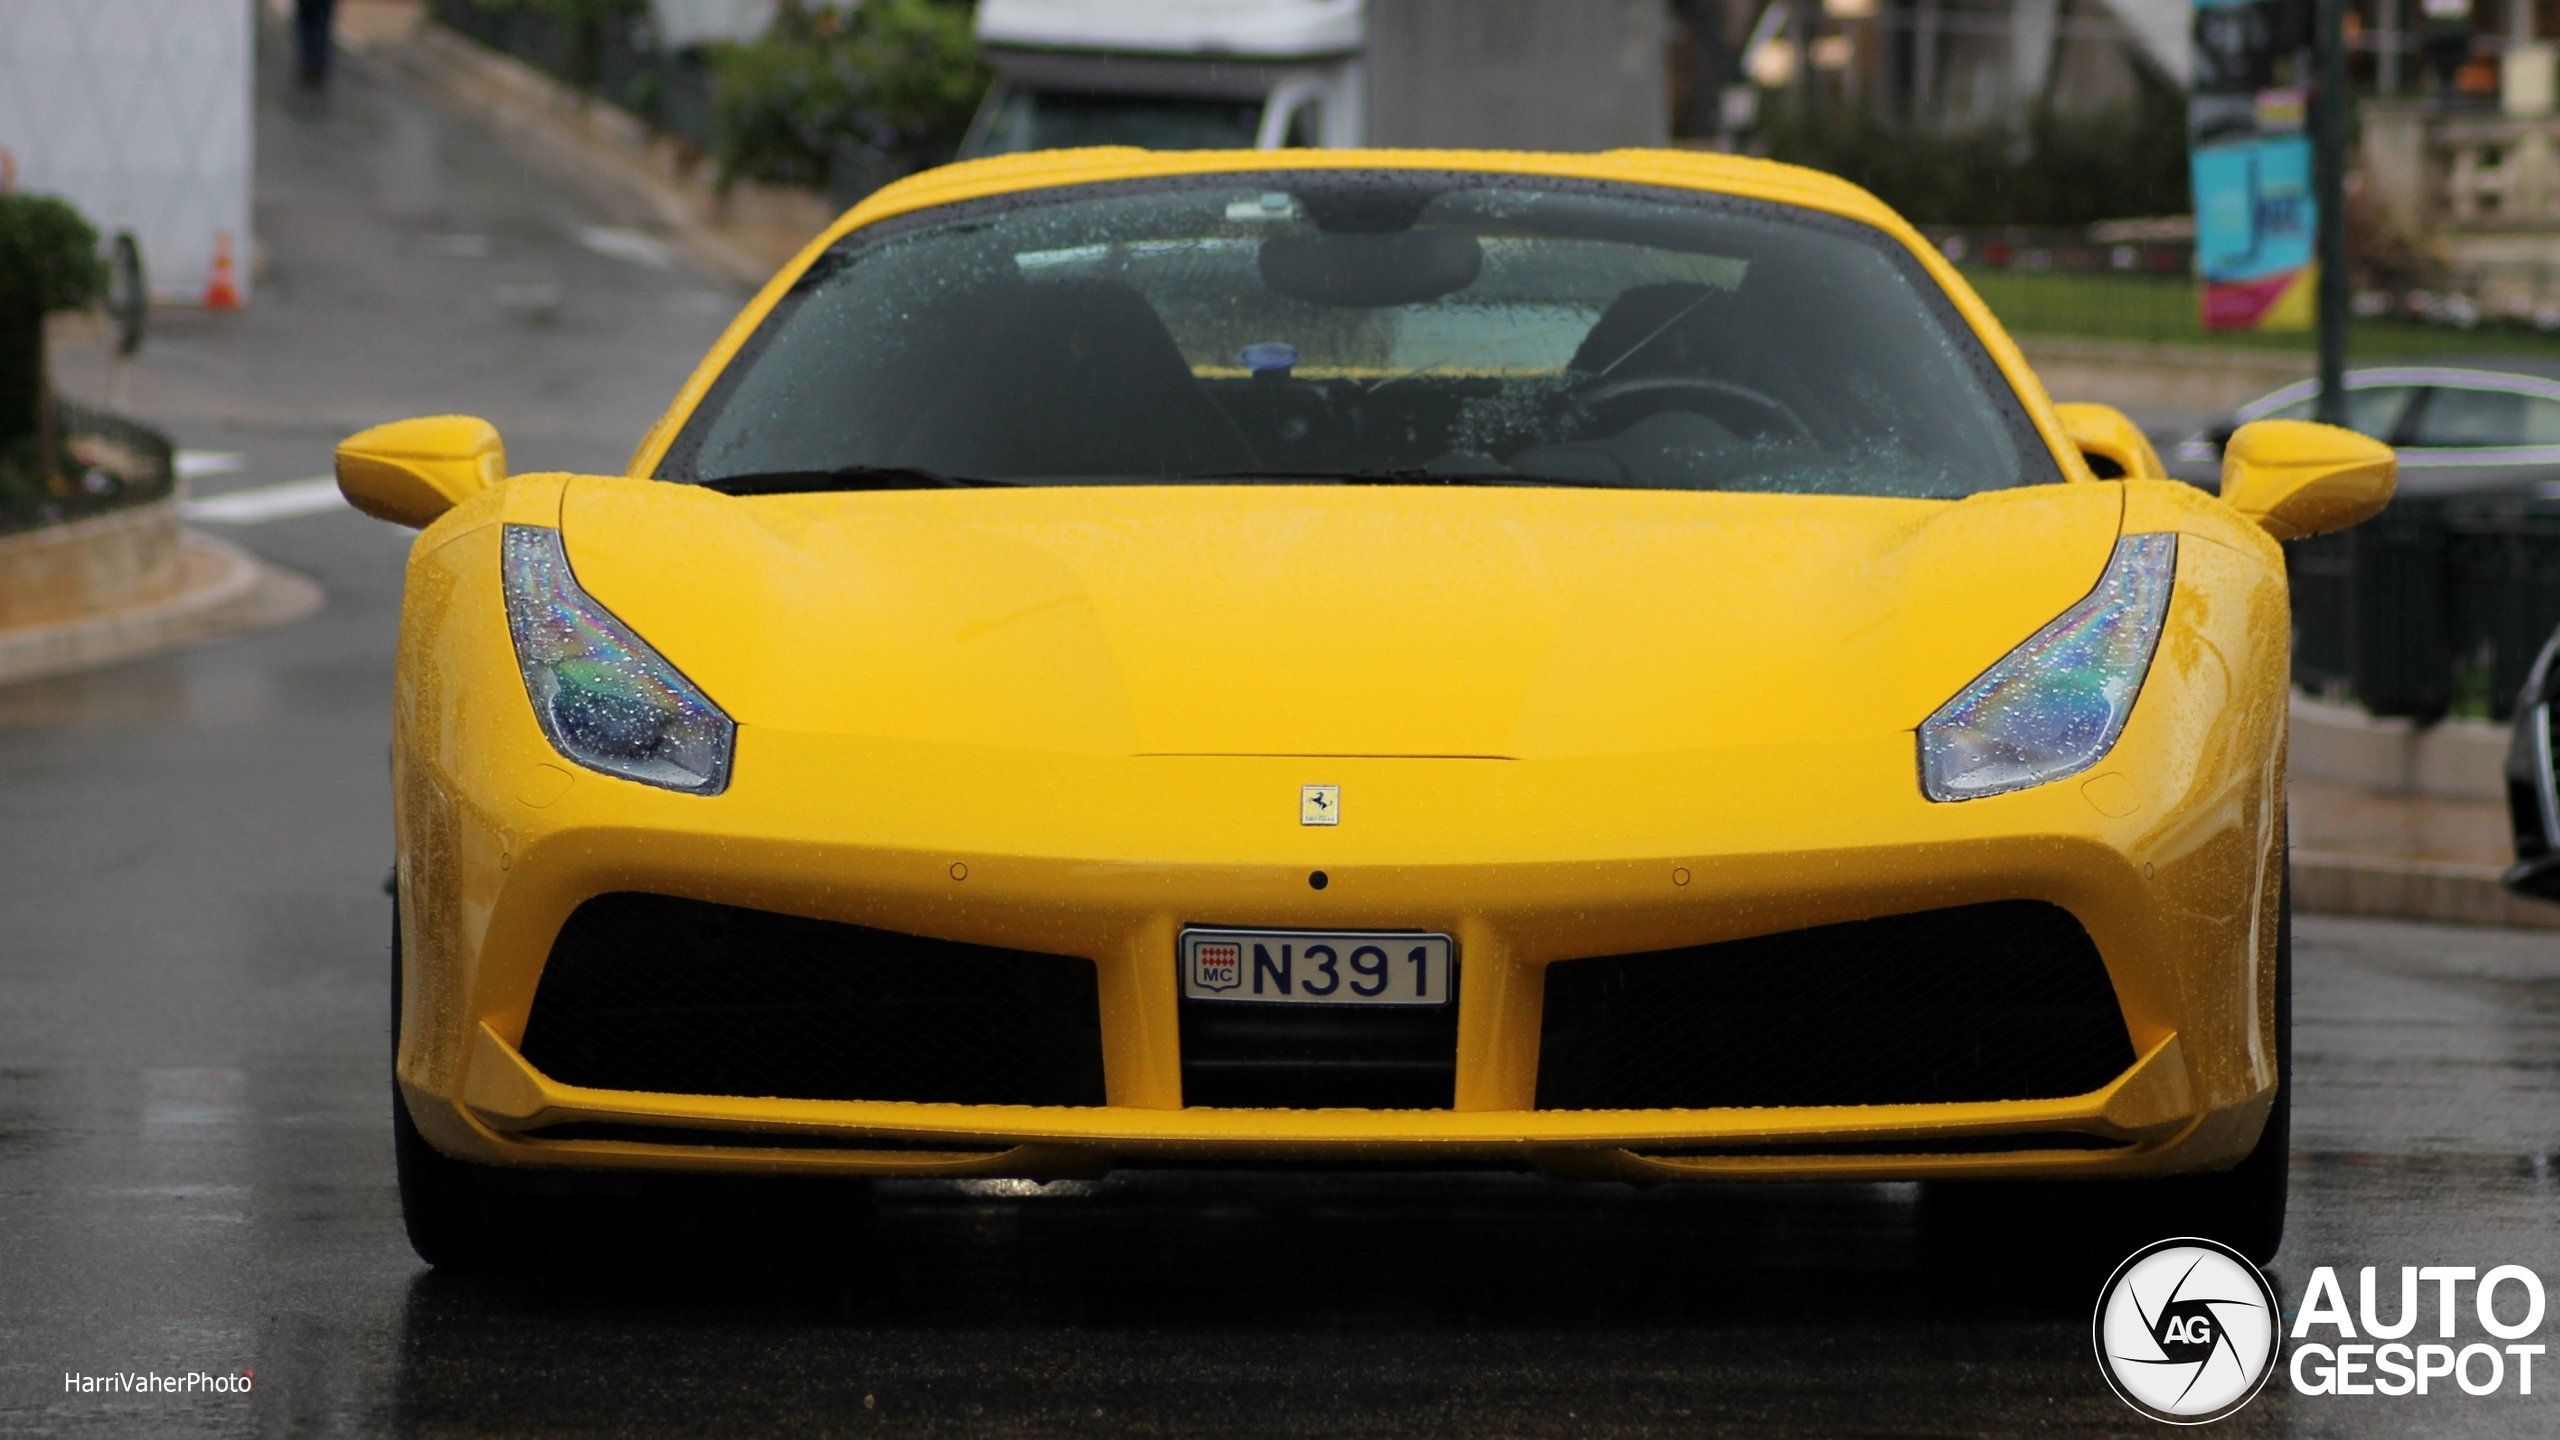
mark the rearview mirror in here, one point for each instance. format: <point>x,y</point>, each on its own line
<point>1406,267</point>
<point>2116,447</point>
<point>411,471</point>
<point>2296,478</point>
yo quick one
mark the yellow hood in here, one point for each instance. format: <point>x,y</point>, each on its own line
<point>1354,620</point>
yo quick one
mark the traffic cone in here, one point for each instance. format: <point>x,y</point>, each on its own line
<point>222,291</point>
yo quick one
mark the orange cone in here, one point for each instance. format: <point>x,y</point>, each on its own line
<point>222,291</point>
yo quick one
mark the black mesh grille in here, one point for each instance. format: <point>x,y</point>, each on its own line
<point>2006,1001</point>
<point>648,992</point>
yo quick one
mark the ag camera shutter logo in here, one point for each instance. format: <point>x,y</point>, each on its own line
<point>2186,1331</point>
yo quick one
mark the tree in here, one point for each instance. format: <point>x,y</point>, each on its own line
<point>886,85</point>
<point>48,262</point>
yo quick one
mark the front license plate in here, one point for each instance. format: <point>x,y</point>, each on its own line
<point>1317,967</point>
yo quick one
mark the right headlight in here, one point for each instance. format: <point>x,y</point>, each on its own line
<point>2054,706</point>
<point>605,699</point>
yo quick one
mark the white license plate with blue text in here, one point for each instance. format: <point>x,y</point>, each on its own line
<point>1317,967</point>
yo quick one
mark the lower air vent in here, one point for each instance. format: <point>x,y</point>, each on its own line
<point>1952,1145</point>
<point>2005,1001</point>
<point>682,997</point>
<point>742,1139</point>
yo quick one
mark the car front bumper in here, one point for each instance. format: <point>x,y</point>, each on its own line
<point>2181,909</point>
<point>2169,854</point>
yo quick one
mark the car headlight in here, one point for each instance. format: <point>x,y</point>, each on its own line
<point>2054,706</point>
<point>605,699</point>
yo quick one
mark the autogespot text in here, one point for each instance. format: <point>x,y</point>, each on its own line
<point>2336,1352</point>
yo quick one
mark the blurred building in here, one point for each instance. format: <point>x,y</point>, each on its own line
<point>1958,64</point>
<point>137,112</point>
<point>2460,161</point>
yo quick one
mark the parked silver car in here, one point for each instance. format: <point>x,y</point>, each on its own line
<point>2474,426</point>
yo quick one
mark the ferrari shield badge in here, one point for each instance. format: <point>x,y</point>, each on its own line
<point>1319,804</point>
<point>1217,964</point>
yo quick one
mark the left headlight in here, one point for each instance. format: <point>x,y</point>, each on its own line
<point>605,699</point>
<point>2054,706</point>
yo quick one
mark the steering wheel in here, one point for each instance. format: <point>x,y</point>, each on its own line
<point>1666,390</point>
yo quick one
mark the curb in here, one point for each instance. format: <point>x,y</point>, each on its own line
<point>2449,760</point>
<point>225,590</point>
<point>2440,891</point>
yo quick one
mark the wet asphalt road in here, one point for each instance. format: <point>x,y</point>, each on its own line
<point>195,1168</point>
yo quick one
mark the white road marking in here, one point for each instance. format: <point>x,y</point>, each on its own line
<point>261,503</point>
<point>628,245</point>
<point>195,463</point>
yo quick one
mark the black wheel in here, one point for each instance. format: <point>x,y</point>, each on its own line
<point>2100,1222</point>
<point>440,1198</point>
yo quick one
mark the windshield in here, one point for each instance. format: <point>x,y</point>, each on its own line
<point>1397,325</point>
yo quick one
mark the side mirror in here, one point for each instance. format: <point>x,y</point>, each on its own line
<point>411,471</point>
<point>2296,478</point>
<point>2116,447</point>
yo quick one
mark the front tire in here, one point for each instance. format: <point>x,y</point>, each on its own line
<point>2244,1206</point>
<point>441,1203</point>
<point>2102,1221</point>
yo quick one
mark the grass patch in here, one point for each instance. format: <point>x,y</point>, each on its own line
<point>2162,310</point>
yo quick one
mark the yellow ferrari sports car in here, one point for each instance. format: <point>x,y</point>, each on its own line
<point>1602,664</point>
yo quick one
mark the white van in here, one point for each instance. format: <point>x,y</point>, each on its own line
<point>1262,74</point>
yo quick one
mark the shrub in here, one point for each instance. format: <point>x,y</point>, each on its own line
<point>578,37</point>
<point>887,87</point>
<point>48,262</point>
<point>2063,170</point>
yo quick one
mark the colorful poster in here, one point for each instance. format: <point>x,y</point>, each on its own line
<point>2250,165</point>
<point>2254,233</point>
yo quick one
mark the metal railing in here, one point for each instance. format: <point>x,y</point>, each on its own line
<point>2436,607</point>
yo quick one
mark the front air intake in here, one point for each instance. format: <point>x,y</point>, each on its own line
<point>2004,1001</point>
<point>683,997</point>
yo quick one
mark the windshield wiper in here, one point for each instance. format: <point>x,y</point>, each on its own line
<point>849,477</point>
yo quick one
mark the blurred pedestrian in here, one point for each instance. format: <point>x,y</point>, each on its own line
<point>311,23</point>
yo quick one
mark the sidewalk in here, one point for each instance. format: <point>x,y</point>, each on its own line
<point>743,232</point>
<point>2390,820</point>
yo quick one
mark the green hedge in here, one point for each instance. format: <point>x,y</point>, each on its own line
<point>885,87</point>
<point>2063,170</point>
<point>48,262</point>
